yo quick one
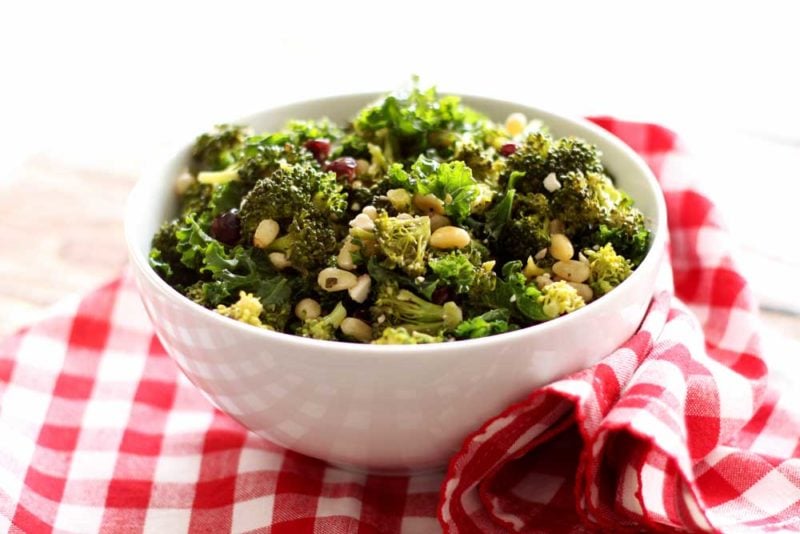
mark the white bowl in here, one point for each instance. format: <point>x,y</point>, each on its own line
<point>383,408</point>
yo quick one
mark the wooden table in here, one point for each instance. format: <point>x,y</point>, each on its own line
<point>61,233</point>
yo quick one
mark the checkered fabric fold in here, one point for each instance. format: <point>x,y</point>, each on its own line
<point>677,429</point>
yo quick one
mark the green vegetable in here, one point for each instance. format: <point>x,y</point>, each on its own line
<point>559,298</point>
<point>528,230</point>
<point>608,269</point>
<point>247,309</point>
<point>404,242</point>
<point>217,150</point>
<point>455,270</point>
<point>402,308</point>
<point>540,155</point>
<point>401,336</point>
<point>488,324</point>
<point>406,123</point>
<point>324,327</point>
<point>423,160</point>
<point>306,203</point>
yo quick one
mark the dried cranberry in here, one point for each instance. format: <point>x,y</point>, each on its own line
<point>441,295</point>
<point>227,227</point>
<point>319,148</point>
<point>343,167</point>
<point>508,149</point>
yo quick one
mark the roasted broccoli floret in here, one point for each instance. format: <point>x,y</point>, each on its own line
<point>247,309</point>
<point>306,203</point>
<point>559,298</point>
<point>539,155</point>
<point>401,336</point>
<point>402,308</point>
<point>403,241</point>
<point>309,241</point>
<point>608,269</point>
<point>217,150</point>
<point>528,229</point>
<point>593,211</point>
<point>324,327</point>
<point>455,270</point>
<point>288,190</point>
<point>262,156</point>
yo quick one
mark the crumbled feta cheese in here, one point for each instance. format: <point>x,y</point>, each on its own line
<point>551,183</point>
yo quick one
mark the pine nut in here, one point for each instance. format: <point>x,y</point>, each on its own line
<point>561,247</point>
<point>357,329</point>
<point>515,123</point>
<point>363,221</point>
<point>360,291</point>
<point>332,279</point>
<point>404,216</point>
<point>345,257</point>
<point>429,204</point>
<point>438,221</point>
<point>370,211</point>
<point>551,183</point>
<point>531,269</point>
<point>183,182</point>
<point>400,199</point>
<point>362,167</point>
<point>541,254</point>
<point>266,232</point>
<point>572,270</point>
<point>583,290</point>
<point>279,261</point>
<point>450,237</point>
<point>307,309</point>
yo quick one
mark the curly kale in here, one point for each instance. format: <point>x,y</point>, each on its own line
<point>166,259</point>
<point>223,272</point>
<point>487,324</point>
<point>217,150</point>
<point>407,123</point>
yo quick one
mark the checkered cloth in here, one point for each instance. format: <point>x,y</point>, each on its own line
<point>678,429</point>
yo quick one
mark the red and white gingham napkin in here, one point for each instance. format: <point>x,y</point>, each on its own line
<point>678,429</point>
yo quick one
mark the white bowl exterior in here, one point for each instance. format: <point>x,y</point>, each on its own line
<point>388,409</point>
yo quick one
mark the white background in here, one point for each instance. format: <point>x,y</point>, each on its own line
<point>101,84</point>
